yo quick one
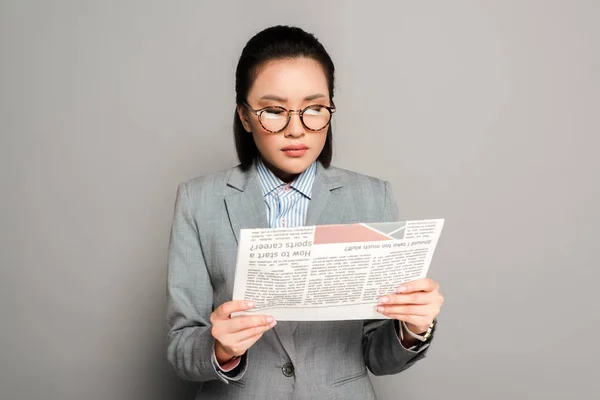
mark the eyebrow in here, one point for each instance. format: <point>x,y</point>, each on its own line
<point>283,100</point>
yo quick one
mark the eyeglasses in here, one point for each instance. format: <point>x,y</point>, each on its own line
<point>274,119</point>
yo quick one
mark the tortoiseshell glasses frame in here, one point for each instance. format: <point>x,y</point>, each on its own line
<point>259,113</point>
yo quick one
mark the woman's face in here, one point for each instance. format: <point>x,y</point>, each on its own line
<point>293,84</point>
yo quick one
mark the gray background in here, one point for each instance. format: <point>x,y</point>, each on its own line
<point>483,113</point>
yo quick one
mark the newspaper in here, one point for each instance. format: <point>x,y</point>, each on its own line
<point>330,272</point>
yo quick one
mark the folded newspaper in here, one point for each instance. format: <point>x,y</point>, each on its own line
<point>330,272</point>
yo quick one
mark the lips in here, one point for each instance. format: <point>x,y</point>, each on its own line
<point>295,147</point>
<point>297,150</point>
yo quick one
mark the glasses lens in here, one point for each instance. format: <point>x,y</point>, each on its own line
<point>316,117</point>
<point>274,118</point>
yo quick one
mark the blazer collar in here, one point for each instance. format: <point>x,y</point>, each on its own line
<point>245,202</point>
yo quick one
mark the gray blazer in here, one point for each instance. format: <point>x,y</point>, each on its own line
<point>294,360</point>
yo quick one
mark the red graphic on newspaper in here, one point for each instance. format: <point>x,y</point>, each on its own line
<point>325,234</point>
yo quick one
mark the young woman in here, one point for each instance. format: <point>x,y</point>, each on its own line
<point>284,87</point>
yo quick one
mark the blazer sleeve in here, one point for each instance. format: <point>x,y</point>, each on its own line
<point>382,350</point>
<point>190,343</point>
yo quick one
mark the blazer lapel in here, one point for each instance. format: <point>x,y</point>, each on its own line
<point>245,205</point>
<point>326,204</point>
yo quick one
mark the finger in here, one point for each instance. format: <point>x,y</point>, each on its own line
<point>242,322</point>
<point>235,338</point>
<point>411,298</point>
<point>241,347</point>
<point>425,285</point>
<point>226,309</point>
<point>422,311</point>
<point>417,320</point>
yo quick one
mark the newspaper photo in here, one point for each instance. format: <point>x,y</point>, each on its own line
<point>330,272</point>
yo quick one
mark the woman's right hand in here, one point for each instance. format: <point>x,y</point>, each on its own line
<point>233,336</point>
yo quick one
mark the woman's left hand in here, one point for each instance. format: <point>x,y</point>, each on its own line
<point>417,303</point>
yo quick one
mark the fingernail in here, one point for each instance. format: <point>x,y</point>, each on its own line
<point>384,299</point>
<point>250,304</point>
<point>380,309</point>
<point>273,323</point>
<point>269,319</point>
<point>401,289</point>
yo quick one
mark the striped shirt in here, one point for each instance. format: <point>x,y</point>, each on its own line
<point>287,203</point>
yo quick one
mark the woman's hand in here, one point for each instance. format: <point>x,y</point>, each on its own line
<point>233,336</point>
<point>417,303</point>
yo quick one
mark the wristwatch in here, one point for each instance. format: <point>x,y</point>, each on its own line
<point>424,337</point>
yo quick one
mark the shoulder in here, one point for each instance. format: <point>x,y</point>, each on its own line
<point>207,187</point>
<point>357,181</point>
<point>367,198</point>
<point>209,181</point>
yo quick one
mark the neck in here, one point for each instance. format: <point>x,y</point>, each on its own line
<point>284,176</point>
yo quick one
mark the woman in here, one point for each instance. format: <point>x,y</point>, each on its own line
<point>284,95</point>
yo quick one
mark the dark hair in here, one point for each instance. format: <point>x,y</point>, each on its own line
<point>276,43</point>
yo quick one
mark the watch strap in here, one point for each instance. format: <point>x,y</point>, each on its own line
<point>424,337</point>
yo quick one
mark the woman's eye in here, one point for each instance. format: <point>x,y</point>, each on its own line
<point>314,110</point>
<point>273,112</point>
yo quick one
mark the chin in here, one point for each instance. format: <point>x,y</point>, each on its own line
<point>295,166</point>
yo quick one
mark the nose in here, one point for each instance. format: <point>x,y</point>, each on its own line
<point>295,128</point>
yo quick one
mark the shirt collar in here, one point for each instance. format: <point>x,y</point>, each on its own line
<point>269,181</point>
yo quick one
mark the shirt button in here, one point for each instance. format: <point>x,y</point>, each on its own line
<point>288,369</point>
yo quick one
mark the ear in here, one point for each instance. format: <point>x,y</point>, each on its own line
<point>242,113</point>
